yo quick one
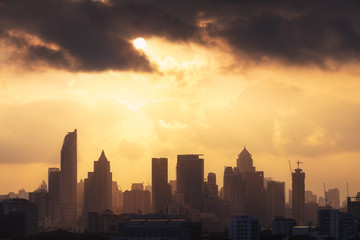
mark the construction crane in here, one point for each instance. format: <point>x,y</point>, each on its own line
<point>290,167</point>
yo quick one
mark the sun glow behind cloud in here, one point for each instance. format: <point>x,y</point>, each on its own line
<point>139,43</point>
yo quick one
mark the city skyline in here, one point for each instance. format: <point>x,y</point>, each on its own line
<point>149,79</point>
<point>96,205</point>
<point>243,161</point>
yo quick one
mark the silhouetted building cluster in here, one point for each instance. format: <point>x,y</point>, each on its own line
<point>176,209</point>
<point>245,192</point>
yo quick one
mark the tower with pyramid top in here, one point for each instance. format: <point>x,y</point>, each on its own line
<point>98,187</point>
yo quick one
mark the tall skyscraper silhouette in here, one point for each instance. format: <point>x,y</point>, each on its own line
<point>68,180</point>
<point>234,190</point>
<point>298,194</point>
<point>254,186</point>
<point>275,199</point>
<point>190,179</point>
<point>54,195</point>
<point>98,187</point>
<point>212,187</point>
<point>160,187</point>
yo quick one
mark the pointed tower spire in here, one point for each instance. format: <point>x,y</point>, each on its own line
<point>102,156</point>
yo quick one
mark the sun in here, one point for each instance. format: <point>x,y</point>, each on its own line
<point>139,43</point>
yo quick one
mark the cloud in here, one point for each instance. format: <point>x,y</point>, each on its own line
<point>95,36</point>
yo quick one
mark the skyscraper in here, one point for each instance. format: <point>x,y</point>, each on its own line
<point>245,161</point>
<point>333,198</point>
<point>54,195</point>
<point>68,180</point>
<point>275,199</point>
<point>190,179</point>
<point>212,187</point>
<point>98,187</point>
<point>234,190</point>
<point>255,199</point>
<point>160,187</point>
<point>18,218</point>
<point>41,197</point>
<point>298,194</point>
<point>117,199</point>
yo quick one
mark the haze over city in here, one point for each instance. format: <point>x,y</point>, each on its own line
<point>208,78</point>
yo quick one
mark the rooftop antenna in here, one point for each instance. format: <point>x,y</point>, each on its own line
<point>347,189</point>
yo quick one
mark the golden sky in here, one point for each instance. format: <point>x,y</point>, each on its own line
<point>200,87</point>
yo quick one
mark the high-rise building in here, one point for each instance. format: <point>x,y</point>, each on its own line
<point>353,207</point>
<point>298,194</point>
<point>172,184</point>
<point>245,161</point>
<point>234,190</point>
<point>243,228</point>
<point>212,187</point>
<point>190,179</point>
<point>283,226</point>
<point>18,218</point>
<point>276,199</point>
<point>137,200</point>
<point>117,199</point>
<point>329,223</point>
<point>98,187</point>
<point>333,198</point>
<point>255,196</point>
<point>310,212</point>
<point>80,197</point>
<point>40,197</point>
<point>68,180</point>
<point>54,195</point>
<point>160,188</point>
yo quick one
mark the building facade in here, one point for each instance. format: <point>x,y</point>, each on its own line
<point>98,187</point>
<point>137,201</point>
<point>243,228</point>
<point>190,180</point>
<point>161,192</point>
<point>54,195</point>
<point>298,195</point>
<point>18,218</point>
<point>68,180</point>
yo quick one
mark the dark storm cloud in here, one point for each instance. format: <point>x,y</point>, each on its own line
<point>88,35</point>
<point>293,32</point>
<point>94,36</point>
